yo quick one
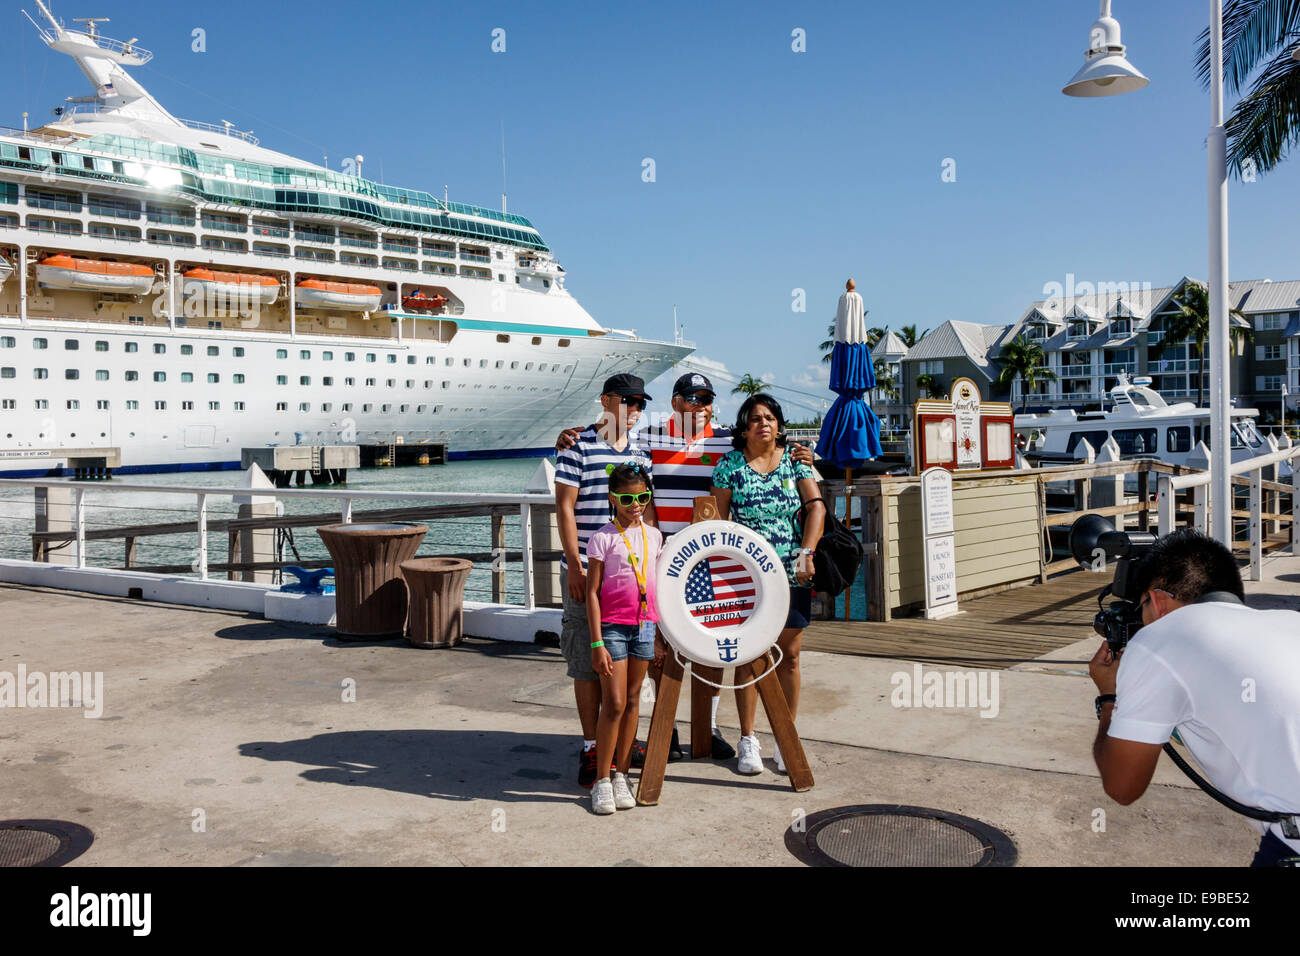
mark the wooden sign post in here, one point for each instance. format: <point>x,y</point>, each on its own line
<point>775,706</point>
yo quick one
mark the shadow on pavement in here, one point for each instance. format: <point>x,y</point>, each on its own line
<point>441,764</point>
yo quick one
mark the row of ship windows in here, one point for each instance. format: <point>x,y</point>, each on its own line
<point>214,378</point>
<point>132,405</point>
<point>159,348</point>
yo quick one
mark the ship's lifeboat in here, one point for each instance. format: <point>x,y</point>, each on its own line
<point>226,285</point>
<point>422,301</point>
<point>327,294</point>
<point>94,275</point>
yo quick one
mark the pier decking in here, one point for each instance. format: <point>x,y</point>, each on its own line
<point>995,631</point>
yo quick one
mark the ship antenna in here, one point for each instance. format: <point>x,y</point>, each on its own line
<point>503,164</point>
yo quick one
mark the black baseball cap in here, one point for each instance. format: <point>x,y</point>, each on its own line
<point>625,384</point>
<point>693,382</point>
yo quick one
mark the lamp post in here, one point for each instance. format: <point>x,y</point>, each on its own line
<point>1106,72</point>
<point>1285,393</point>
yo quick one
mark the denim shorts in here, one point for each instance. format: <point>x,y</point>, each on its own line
<point>624,640</point>
<point>800,614</point>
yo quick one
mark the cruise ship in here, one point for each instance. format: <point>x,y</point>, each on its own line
<point>175,290</point>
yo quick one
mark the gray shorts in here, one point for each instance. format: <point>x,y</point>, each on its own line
<point>575,638</point>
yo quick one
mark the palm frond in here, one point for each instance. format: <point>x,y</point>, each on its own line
<point>1265,124</point>
<point>1252,29</point>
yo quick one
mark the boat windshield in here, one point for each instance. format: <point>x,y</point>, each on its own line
<point>1248,434</point>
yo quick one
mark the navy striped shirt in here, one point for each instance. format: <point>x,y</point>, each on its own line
<point>586,466</point>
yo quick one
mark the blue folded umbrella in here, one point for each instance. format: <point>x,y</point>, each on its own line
<point>850,434</point>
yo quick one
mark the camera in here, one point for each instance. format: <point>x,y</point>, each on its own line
<point>1095,543</point>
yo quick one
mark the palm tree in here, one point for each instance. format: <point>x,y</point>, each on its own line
<point>749,386</point>
<point>1024,359</point>
<point>1265,123</point>
<point>1192,324</point>
<point>909,335</point>
<point>885,381</point>
<point>932,387</point>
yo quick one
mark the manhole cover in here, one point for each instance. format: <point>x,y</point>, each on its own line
<point>42,842</point>
<point>879,835</point>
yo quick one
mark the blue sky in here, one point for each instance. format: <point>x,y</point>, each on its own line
<point>774,170</point>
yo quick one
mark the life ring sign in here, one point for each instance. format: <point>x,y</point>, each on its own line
<point>722,593</point>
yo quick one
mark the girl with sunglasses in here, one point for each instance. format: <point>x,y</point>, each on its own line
<point>621,615</point>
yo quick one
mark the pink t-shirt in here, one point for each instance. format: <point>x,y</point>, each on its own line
<point>619,595</point>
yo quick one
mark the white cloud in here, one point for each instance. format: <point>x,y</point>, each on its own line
<point>813,377</point>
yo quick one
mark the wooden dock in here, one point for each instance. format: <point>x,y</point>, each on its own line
<point>995,631</point>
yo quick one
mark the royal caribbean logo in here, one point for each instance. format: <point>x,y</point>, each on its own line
<point>728,649</point>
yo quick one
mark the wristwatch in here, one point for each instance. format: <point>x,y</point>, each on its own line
<point>1104,699</point>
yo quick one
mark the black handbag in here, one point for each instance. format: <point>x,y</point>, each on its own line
<point>839,553</point>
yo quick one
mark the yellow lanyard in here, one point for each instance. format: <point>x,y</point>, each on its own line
<point>637,563</point>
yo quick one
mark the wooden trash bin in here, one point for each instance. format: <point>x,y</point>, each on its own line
<point>437,589</point>
<point>369,593</point>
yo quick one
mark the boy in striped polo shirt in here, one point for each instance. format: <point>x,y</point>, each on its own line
<point>582,507</point>
<point>684,452</point>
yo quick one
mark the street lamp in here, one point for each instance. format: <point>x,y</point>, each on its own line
<point>1285,393</point>
<point>1106,72</point>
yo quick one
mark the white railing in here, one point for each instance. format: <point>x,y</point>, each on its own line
<point>201,497</point>
<point>1199,483</point>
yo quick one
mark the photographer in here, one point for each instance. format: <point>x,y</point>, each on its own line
<point>1225,676</point>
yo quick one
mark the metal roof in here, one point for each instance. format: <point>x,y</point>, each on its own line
<point>890,348</point>
<point>956,339</point>
<point>1263,296</point>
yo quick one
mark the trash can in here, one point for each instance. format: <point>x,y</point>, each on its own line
<point>370,594</point>
<point>437,590</point>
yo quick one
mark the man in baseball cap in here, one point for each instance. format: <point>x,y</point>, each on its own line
<point>693,383</point>
<point>627,385</point>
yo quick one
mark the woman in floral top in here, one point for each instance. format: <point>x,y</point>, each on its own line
<point>760,486</point>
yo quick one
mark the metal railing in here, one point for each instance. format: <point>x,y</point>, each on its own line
<point>1248,473</point>
<point>491,544</point>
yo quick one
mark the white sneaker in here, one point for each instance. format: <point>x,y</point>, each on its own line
<point>751,759</point>
<point>623,798</point>
<point>602,797</point>
<point>776,754</point>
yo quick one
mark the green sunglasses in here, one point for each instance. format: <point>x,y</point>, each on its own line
<point>641,498</point>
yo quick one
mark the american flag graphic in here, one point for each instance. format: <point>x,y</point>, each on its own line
<point>720,592</point>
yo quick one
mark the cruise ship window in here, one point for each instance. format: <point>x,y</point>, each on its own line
<point>101,375</point>
<point>370,383</point>
<point>71,374</point>
<point>528,367</point>
<point>160,406</point>
<point>514,364</point>
<point>431,360</point>
<point>568,368</point>
<point>347,406</point>
<point>214,350</point>
<point>385,408</point>
<point>187,350</point>
<point>482,363</point>
<point>327,356</point>
<point>537,340</point>
<point>410,360</point>
<point>131,406</point>
<point>325,407</point>
<point>42,403</point>
<point>370,356</point>
<point>7,404</point>
<point>131,376</point>
<point>239,378</point>
<point>214,406</point>
<point>130,347</point>
<point>428,383</point>
<point>349,356</point>
<point>238,351</point>
<point>449,361</point>
<point>282,380</point>
<point>8,372</point>
<point>187,406</point>
<point>410,383</point>
<point>213,378</point>
<point>101,346</point>
<point>281,406</point>
<point>404,409</point>
<point>304,406</point>
<point>390,383</point>
<point>546,283</point>
<point>465,362</point>
<point>392,359</point>
<point>159,348</point>
<point>366,407</point>
<point>282,353</point>
<point>501,363</point>
<point>160,376</point>
<point>8,342</point>
<point>239,406</point>
<point>563,343</point>
<point>304,379</point>
<point>501,277</point>
<point>73,404</point>
<point>446,384</point>
<point>542,367</point>
<point>304,354</point>
<point>327,380</point>
<point>102,404</point>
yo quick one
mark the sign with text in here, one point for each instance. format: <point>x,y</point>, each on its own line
<point>940,552</point>
<point>963,432</point>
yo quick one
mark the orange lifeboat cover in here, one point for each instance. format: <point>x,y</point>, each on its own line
<point>95,266</point>
<point>233,278</point>
<point>346,288</point>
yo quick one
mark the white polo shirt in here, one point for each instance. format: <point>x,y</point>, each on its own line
<point>1228,678</point>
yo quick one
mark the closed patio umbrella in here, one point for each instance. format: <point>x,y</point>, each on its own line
<point>850,433</point>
